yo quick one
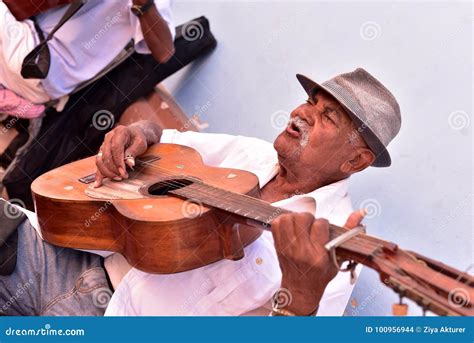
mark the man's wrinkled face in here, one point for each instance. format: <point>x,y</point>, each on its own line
<point>320,136</point>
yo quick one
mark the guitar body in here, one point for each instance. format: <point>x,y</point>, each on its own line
<point>156,231</point>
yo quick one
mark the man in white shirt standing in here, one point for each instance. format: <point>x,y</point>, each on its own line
<point>343,128</point>
<point>84,46</point>
<point>80,50</point>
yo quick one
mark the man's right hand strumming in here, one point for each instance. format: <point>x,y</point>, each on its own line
<point>121,146</point>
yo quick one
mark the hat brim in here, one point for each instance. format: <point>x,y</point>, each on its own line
<point>382,156</point>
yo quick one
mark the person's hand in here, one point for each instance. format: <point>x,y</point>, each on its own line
<point>304,261</point>
<point>121,142</point>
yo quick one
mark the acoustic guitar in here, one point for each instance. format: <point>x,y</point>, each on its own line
<point>175,214</point>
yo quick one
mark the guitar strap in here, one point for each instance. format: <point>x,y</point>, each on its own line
<point>36,64</point>
<point>10,218</point>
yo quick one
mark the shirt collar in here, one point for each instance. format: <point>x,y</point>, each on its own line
<point>323,199</point>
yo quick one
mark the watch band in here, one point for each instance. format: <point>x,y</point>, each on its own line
<point>140,10</point>
<point>281,312</point>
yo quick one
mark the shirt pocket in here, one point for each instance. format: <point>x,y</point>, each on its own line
<point>241,286</point>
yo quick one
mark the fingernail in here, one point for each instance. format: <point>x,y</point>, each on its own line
<point>96,184</point>
<point>117,178</point>
<point>365,211</point>
<point>121,171</point>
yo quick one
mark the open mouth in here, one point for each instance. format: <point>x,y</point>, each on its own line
<point>299,128</point>
<point>293,129</point>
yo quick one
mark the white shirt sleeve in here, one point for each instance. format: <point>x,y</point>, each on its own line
<point>213,147</point>
<point>337,294</point>
<point>164,7</point>
<point>339,290</point>
<point>228,151</point>
<point>17,39</point>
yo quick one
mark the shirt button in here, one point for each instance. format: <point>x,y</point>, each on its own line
<point>258,260</point>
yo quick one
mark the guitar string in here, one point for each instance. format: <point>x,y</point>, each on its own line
<point>238,198</point>
<point>361,242</point>
<point>357,242</point>
<point>367,244</point>
<point>262,206</point>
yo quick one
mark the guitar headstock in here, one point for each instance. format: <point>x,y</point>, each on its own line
<point>433,285</point>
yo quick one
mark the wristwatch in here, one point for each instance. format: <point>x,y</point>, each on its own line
<point>140,10</point>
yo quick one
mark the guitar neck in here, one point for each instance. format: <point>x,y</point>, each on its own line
<point>259,213</point>
<point>423,280</point>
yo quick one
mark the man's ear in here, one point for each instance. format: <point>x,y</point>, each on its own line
<point>363,158</point>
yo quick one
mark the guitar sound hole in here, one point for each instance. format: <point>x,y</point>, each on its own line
<point>163,187</point>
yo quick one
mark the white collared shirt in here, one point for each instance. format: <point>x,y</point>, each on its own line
<point>227,287</point>
<point>82,48</point>
<point>230,287</point>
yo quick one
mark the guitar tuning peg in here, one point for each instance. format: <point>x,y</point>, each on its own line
<point>424,307</point>
<point>351,269</point>
<point>353,278</point>
<point>400,309</point>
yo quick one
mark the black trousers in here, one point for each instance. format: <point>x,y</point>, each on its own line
<point>70,135</point>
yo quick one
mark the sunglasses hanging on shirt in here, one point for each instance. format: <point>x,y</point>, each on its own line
<point>36,64</point>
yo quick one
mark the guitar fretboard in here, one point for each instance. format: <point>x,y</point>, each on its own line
<point>238,204</point>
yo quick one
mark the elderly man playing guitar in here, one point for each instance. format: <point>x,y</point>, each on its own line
<point>343,128</point>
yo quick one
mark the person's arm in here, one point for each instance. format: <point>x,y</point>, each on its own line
<point>304,262</point>
<point>133,140</point>
<point>156,33</point>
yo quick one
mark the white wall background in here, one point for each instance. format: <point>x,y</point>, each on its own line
<point>423,53</point>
